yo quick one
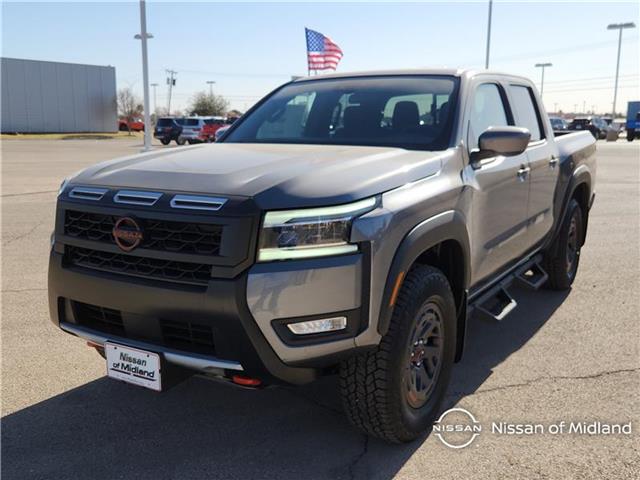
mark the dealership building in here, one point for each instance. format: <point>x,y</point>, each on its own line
<point>40,97</point>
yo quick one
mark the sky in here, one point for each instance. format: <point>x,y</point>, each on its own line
<point>248,49</point>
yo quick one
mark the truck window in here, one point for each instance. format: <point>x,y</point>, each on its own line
<point>413,112</point>
<point>487,110</point>
<point>526,111</point>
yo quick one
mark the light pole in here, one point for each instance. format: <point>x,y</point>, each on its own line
<point>543,66</point>
<point>486,58</point>
<point>210,83</point>
<point>155,98</point>
<point>619,27</point>
<point>171,82</point>
<point>144,36</point>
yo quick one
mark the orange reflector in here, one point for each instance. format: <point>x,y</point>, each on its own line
<point>93,344</point>
<point>396,289</point>
<point>245,381</point>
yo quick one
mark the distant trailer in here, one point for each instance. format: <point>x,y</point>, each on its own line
<point>53,97</point>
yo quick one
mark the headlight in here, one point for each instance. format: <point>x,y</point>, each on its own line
<point>310,232</point>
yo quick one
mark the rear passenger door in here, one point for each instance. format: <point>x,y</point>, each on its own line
<point>543,161</point>
<point>500,187</point>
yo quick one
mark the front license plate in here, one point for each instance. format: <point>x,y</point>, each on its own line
<point>131,365</point>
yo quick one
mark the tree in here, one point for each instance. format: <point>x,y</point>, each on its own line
<point>129,106</point>
<point>204,104</point>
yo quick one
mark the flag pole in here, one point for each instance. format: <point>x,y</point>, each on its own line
<point>306,40</point>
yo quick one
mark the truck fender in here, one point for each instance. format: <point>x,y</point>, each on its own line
<point>581,175</point>
<point>448,225</point>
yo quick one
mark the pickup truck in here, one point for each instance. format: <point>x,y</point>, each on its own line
<point>348,224</point>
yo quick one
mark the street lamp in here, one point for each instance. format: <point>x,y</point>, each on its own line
<point>144,36</point>
<point>486,58</point>
<point>619,27</point>
<point>543,66</point>
<point>210,83</point>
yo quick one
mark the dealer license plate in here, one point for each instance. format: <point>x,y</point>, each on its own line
<point>132,365</point>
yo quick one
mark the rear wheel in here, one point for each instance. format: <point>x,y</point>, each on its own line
<point>564,256</point>
<point>180,141</point>
<point>395,392</point>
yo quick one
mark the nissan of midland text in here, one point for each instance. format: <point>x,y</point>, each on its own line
<point>348,224</point>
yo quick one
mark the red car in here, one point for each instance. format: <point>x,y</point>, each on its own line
<point>135,125</point>
<point>210,127</point>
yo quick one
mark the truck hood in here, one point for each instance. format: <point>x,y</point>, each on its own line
<point>275,175</point>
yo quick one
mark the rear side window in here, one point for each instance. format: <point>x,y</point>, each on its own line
<point>526,111</point>
<point>191,122</point>
<point>165,122</point>
<point>487,111</point>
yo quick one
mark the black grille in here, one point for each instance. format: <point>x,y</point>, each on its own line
<point>187,336</point>
<point>161,235</point>
<point>169,270</point>
<point>102,319</point>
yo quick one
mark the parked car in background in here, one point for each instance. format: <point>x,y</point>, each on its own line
<point>221,131</point>
<point>210,127</point>
<point>135,125</point>
<point>558,123</point>
<point>167,129</point>
<point>633,121</point>
<point>596,125</point>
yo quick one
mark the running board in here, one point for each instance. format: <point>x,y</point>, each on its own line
<point>496,304</point>
<point>532,276</point>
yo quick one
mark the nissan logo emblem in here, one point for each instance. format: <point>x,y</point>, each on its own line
<point>127,234</point>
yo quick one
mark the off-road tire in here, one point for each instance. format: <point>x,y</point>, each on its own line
<point>561,276</point>
<point>371,384</point>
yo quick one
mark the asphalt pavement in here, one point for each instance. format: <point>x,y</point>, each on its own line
<point>570,356</point>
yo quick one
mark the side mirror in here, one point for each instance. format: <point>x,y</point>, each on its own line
<point>507,141</point>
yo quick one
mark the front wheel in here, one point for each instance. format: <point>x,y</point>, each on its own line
<point>562,260</point>
<point>165,141</point>
<point>395,392</point>
<point>631,134</point>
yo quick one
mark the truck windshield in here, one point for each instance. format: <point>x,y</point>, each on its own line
<point>412,112</point>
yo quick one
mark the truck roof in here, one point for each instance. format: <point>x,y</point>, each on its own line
<point>456,72</point>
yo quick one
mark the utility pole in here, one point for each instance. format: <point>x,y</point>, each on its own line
<point>555,107</point>
<point>210,83</point>
<point>543,66</point>
<point>486,60</point>
<point>155,99</point>
<point>171,82</point>
<point>144,36</point>
<point>619,27</point>
<point>584,106</point>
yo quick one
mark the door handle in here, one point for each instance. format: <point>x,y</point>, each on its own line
<point>553,162</point>
<point>523,172</point>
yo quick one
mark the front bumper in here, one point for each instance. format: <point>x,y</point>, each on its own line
<point>243,313</point>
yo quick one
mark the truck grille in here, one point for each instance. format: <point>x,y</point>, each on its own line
<point>104,320</point>
<point>160,235</point>
<point>185,336</point>
<point>168,270</point>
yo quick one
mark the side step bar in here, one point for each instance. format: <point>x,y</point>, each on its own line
<point>496,303</point>
<point>532,276</point>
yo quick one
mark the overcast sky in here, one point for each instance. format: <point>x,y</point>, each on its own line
<point>250,48</point>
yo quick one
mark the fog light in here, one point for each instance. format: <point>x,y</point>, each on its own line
<point>318,326</point>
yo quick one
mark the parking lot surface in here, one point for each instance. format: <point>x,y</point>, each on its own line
<point>561,356</point>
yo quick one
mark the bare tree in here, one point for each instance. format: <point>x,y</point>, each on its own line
<point>129,106</point>
<point>204,103</point>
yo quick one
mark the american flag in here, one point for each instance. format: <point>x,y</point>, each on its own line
<point>322,53</point>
